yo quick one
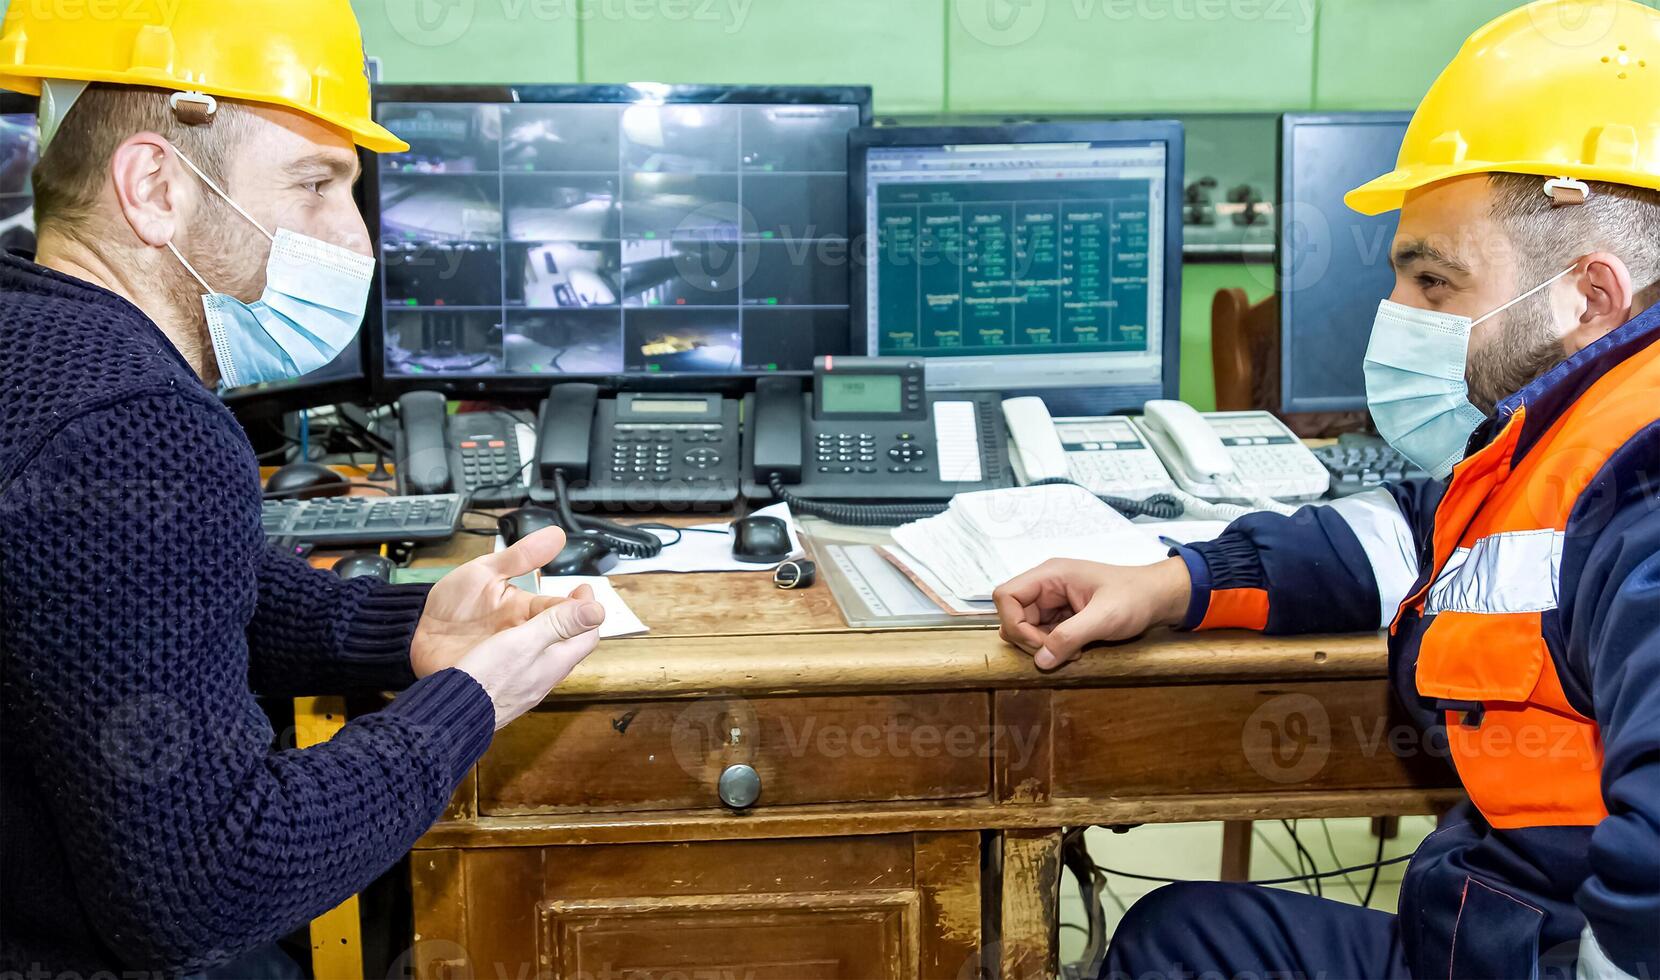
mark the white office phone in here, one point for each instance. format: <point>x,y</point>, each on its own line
<point>1234,457</point>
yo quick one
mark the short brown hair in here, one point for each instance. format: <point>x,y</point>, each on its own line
<point>75,164</point>
<point>1616,218</point>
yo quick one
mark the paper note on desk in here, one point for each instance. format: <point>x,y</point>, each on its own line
<point>986,538</point>
<point>620,620</point>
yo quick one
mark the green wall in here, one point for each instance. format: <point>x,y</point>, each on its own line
<point>963,56</point>
<point>951,55</point>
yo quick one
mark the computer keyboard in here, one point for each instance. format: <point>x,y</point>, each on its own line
<point>1361,462</point>
<point>330,521</point>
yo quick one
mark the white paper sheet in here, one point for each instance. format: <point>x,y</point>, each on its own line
<point>620,620</point>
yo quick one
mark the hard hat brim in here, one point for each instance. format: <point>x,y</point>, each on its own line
<point>1388,192</point>
<point>364,132</point>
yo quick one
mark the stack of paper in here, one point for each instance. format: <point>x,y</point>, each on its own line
<point>989,537</point>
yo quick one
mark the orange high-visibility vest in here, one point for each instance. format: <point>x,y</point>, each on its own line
<point>1527,758</point>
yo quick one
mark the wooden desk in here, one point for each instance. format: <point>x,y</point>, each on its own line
<point>913,788</point>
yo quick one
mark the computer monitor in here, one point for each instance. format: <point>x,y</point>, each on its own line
<point>616,233</point>
<point>19,146</point>
<point>1035,258</point>
<point>1333,265</point>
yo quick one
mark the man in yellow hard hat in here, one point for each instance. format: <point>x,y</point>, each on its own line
<point>1518,361</point>
<point>196,224</point>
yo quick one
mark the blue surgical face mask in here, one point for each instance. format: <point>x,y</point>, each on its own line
<point>1415,384</point>
<point>312,308</point>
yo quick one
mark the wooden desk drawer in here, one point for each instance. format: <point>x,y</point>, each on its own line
<point>670,755</point>
<point>1231,738</point>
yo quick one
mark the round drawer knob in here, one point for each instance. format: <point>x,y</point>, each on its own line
<point>740,787</point>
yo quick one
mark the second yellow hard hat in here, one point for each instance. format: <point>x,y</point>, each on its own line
<point>1558,88</point>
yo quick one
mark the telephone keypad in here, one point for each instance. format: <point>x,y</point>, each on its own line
<point>653,453</point>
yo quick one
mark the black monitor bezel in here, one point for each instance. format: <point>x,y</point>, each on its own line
<point>1284,179</point>
<point>1120,131</point>
<point>390,386</point>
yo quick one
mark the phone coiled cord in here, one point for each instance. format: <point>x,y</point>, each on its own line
<point>627,542</point>
<point>1163,507</point>
<point>859,515</point>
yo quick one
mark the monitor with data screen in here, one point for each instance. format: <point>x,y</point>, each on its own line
<point>636,231</point>
<point>1025,258</point>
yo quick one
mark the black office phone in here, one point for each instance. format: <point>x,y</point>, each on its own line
<point>477,454</point>
<point>637,451</point>
<point>870,432</point>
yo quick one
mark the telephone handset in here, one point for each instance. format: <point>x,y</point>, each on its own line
<point>478,454</point>
<point>869,432</point>
<point>1234,456</point>
<point>1217,456</point>
<point>637,450</point>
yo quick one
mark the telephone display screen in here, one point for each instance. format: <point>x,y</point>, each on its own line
<point>861,394</point>
<point>614,238</point>
<point>660,406</point>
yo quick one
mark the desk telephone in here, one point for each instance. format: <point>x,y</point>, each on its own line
<point>637,450</point>
<point>1221,457</point>
<point>870,432</point>
<point>479,455</point>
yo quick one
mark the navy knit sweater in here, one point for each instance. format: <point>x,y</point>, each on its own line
<point>145,821</point>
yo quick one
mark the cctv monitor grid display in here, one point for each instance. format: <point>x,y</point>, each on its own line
<point>604,239</point>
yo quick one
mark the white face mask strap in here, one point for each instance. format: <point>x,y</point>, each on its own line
<point>188,267</point>
<point>217,190</point>
<point>1536,289</point>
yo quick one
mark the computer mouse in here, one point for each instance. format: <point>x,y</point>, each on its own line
<point>583,554</point>
<point>304,481</point>
<point>761,540</point>
<point>524,522</point>
<point>365,565</point>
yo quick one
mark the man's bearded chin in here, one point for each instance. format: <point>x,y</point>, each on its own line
<point>1524,347</point>
<point>233,263</point>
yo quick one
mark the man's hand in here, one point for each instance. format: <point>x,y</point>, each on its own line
<point>1061,606</point>
<point>477,601</point>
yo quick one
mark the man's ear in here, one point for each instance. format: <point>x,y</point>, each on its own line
<point>1605,290</point>
<point>149,190</point>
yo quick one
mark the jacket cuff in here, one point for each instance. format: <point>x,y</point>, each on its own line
<point>452,710</point>
<point>1199,599</point>
<point>375,650</point>
<point>1235,595</point>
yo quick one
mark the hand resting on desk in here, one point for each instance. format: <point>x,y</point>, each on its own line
<point>518,646</point>
<point>1062,606</point>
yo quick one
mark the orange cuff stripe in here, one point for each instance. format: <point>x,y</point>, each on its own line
<point>1236,609</point>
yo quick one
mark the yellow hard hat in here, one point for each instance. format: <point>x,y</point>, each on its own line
<point>1558,88</point>
<point>306,55</point>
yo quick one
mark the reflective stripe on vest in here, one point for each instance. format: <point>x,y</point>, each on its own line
<point>1531,759</point>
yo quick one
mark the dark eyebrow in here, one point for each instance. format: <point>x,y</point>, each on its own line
<point>338,166</point>
<point>1418,249</point>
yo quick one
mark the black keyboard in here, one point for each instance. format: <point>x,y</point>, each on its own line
<point>1360,462</point>
<point>329,521</point>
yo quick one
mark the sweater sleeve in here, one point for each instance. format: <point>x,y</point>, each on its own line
<point>313,633</point>
<point>1341,567</point>
<point>129,556</point>
<point>1610,616</point>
